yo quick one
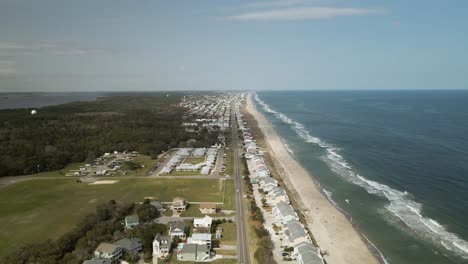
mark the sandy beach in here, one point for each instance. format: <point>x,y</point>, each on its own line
<point>331,229</point>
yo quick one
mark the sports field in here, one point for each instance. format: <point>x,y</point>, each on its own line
<point>38,209</point>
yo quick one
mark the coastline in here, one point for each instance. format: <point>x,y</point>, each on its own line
<point>330,227</point>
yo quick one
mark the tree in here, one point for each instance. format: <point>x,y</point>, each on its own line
<point>147,212</point>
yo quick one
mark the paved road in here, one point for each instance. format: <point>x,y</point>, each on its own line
<point>243,254</point>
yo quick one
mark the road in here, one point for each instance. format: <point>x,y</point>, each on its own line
<point>243,254</point>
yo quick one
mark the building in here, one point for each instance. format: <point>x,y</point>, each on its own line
<point>158,206</point>
<point>306,253</point>
<point>200,239</point>
<point>204,222</point>
<point>131,221</point>
<point>98,261</point>
<point>108,251</point>
<point>296,233</point>
<point>177,229</point>
<point>284,213</point>
<point>132,245</point>
<point>208,208</point>
<point>193,252</point>
<point>179,204</point>
<point>161,246</point>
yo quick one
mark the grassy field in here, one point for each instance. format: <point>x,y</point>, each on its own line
<point>185,173</point>
<point>143,160</point>
<point>229,236</point>
<point>194,160</point>
<point>230,197</point>
<point>35,210</point>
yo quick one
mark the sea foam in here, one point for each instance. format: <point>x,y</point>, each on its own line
<point>401,204</point>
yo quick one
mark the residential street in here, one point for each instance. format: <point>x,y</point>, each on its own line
<point>242,237</point>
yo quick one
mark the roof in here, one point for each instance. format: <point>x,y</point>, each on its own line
<point>285,209</point>
<point>309,253</point>
<point>189,249</point>
<point>178,200</point>
<point>129,244</point>
<point>132,219</point>
<point>107,247</point>
<point>202,221</point>
<point>208,205</point>
<point>295,230</point>
<point>98,261</point>
<point>201,236</point>
<point>163,239</point>
<point>157,204</point>
<point>177,225</point>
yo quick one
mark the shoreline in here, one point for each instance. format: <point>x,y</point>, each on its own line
<point>330,227</point>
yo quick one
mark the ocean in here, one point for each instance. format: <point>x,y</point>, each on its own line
<point>36,100</point>
<point>396,162</point>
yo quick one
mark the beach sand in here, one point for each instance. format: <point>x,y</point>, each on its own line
<point>330,227</point>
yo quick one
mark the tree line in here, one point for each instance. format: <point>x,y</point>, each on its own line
<point>83,131</point>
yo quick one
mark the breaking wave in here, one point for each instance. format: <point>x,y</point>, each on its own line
<point>400,203</point>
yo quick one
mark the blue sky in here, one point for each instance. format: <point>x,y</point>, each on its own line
<point>107,45</point>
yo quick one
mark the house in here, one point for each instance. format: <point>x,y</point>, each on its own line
<point>193,252</point>
<point>108,251</point>
<point>200,239</point>
<point>132,245</point>
<point>276,195</point>
<point>158,206</point>
<point>296,234</point>
<point>177,229</point>
<point>267,184</point>
<point>98,261</point>
<point>284,213</point>
<point>204,222</point>
<point>208,208</point>
<point>306,253</point>
<point>131,221</point>
<point>161,246</point>
<point>179,204</point>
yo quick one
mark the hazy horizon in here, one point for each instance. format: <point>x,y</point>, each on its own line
<point>122,45</point>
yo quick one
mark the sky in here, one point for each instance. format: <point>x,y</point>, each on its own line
<point>150,45</point>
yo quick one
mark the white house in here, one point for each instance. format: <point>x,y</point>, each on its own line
<point>193,252</point>
<point>200,239</point>
<point>204,222</point>
<point>161,246</point>
<point>267,184</point>
<point>108,251</point>
<point>277,195</point>
<point>131,221</point>
<point>177,229</point>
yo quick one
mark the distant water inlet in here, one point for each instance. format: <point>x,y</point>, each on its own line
<point>400,203</point>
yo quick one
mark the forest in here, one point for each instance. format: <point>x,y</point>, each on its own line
<point>82,131</point>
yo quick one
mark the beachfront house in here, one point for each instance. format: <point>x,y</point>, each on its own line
<point>277,195</point>
<point>177,229</point>
<point>130,245</point>
<point>296,234</point>
<point>267,184</point>
<point>306,253</point>
<point>284,213</point>
<point>208,208</point>
<point>193,252</point>
<point>131,221</point>
<point>161,246</point>
<point>108,251</point>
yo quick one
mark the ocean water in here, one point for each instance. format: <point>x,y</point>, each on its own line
<point>395,161</point>
<point>35,100</point>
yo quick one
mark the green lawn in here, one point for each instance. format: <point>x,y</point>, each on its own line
<point>143,160</point>
<point>185,173</point>
<point>68,169</point>
<point>230,198</point>
<point>194,160</point>
<point>192,210</point>
<point>34,210</point>
<point>229,235</point>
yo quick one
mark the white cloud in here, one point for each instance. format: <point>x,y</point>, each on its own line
<point>302,13</point>
<point>277,3</point>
